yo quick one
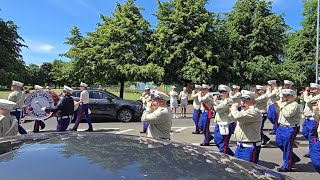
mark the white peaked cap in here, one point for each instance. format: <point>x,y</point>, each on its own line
<point>259,87</point>
<point>173,87</point>
<point>272,82</point>
<point>222,87</point>
<point>197,86</point>
<point>37,87</point>
<point>205,86</point>
<point>160,95</point>
<point>288,92</point>
<point>6,104</point>
<point>314,85</point>
<point>235,87</point>
<point>68,89</point>
<point>17,83</point>
<point>288,82</point>
<point>83,84</point>
<point>245,94</point>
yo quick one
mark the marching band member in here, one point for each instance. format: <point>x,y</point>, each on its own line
<point>196,107</point>
<point>8,122</point>
<point>262,105</point>
<point>248,130</point>
<point>206,107</point>
<point>309,127</point>
<point>174,101</point>
<point>18,97</point>
<point>183,96</point>
<point>38,123</point>
<point>158,116</point>
<point>235,94</point>
<point>289,128</point>
<point>225,123</point>
<point>315,151</point>
<point>145,98</point>
<point>274,96</point>
<point>287,84</point>
<point>64,109</point>
<point>84,107</point>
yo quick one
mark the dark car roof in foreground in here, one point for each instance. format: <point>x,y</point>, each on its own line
<point>109,156</point>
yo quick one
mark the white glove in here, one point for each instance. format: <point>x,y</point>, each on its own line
<point>43,108</point>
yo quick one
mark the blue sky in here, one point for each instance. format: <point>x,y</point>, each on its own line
<point>44,24</point>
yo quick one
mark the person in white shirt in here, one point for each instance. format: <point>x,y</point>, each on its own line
<point>84,107</point>
<point>174,101</point>
<point>183,96</point>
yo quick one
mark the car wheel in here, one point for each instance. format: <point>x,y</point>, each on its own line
<point>125,115</point>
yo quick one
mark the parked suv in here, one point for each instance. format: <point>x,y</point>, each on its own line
<point>105,105</point>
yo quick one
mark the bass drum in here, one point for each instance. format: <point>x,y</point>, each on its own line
<point>39,99</point>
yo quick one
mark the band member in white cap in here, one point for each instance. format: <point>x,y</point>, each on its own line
<point>174,101</point>
<point>262,105</point>
<point>83,109</point>
<point>310,125</point>
<point>158,116</point>
<point>38,123</point>
<point>183,96</point>
<point>196,107</point>
<point>64,109</point>
<point>287,84</point>
<point>145,98</point>
<point>18,97</point>
<point>289,128</point>
<point>235,94</point>
<point>274,96</point>
<point>225,124</point>
<point>8,123</point>
<point>315,151</point>
<point>206,101</point>
<point>247,132</point>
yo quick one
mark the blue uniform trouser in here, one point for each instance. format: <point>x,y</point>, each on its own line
<point>309,131</point>
<point>263,136</point>
<point>250,154</point>
<point>315,156</point>
<point>18,115</point>
<point>222,141</point>
<point>37,125</point>
<point>145,127</point>
<point>196,118</point>
<point>284,139</point>
<point>62,124</point>
<point>202,119</point>
<point>83,109</point>
<point>205,122</point>
<point>273,117</point>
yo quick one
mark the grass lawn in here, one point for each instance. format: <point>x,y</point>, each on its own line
<point>130,96</point>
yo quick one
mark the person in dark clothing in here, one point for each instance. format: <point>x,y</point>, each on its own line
<point>64,109</point>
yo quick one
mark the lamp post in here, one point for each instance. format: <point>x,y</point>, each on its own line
<point>317,51</point>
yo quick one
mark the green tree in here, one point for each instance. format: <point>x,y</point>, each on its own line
<point>11,64</point>
<point>116,51</point>
<point>301,48</point>
<point>61,73</point>
<point>187,42</point>
<point>257,39</point>
<point>46,68</point>
<point>35,75</point>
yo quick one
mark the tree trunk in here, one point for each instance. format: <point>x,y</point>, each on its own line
<point>121,89</point>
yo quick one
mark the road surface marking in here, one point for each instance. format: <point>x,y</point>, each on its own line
<point>120,132</point>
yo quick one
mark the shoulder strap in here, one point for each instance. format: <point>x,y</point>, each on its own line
<point>12,126</point>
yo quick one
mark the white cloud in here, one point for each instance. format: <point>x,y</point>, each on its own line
<point>39,47</point>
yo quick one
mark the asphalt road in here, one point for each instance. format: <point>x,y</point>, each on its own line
<point>270,156</point>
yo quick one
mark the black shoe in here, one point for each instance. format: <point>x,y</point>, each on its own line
<point>42,127</point>
<point>143,132</point>
<point>265,142</point>
<point>196,133</point>
<point>89,130</point>
<point>282,169</point>
<point>272,133</point>
<point>204,144</point>
<point>306,155</point>
<point>296,161</point>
